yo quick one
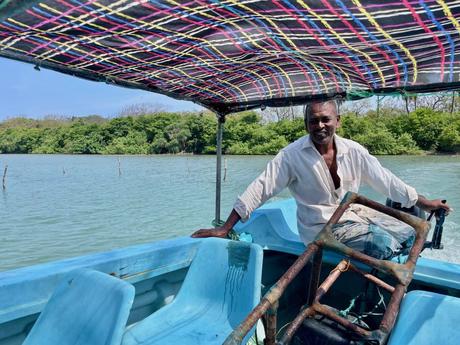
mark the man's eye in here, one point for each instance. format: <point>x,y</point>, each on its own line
<point>322,120</point>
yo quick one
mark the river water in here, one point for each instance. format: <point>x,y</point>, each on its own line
<point>60,206</point>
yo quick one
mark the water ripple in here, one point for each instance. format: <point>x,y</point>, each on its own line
<point>47,215</point>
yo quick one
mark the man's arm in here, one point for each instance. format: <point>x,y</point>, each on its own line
<point>384,181</point>
<point>275,177</point>
<point>431,205</point>
<point>220,231</point>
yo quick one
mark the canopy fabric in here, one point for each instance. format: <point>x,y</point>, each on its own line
<point>232,55</point>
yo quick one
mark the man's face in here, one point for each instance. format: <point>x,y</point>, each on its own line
<point>322,122</point>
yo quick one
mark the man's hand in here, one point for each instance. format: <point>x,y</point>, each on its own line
<point>220,231</point>
<point>212,232</point>
<point>432,205</point>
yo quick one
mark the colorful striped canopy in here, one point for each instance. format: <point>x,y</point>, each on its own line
<point>232,55</point>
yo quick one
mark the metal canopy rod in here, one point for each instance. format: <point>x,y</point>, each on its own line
<point>220,127</point>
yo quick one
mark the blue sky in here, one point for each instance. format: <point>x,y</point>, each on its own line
<point>35,94</point>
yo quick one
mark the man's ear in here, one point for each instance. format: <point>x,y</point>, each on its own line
<point>338,121</point>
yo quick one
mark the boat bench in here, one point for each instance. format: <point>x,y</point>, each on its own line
<point>221,287</point>
<point>87,307</point>
<point>427,318</point>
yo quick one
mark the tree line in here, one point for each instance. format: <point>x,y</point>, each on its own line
<point>384,132</point>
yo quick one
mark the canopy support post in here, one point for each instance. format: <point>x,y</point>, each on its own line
<point>220,127</point>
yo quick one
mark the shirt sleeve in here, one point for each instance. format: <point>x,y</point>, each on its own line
<point>273,180</point>
<point>385,182</point>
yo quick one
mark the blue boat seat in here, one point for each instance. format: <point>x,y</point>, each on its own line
<point>274,227</point>
<point>427,318</point>
<point>87,307</point>
<point>220,289</point>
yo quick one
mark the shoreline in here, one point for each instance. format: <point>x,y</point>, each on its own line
<point>188,154</point>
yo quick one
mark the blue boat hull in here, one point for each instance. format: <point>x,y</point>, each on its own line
<point>157,271</point>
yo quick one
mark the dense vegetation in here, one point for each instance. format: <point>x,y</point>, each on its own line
<point>421,130</point>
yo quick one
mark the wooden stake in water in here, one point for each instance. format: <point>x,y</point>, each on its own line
<point>119,167</point>
<point>225,168</point>
<point>4,177</point>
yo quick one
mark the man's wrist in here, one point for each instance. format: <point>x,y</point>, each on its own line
<point>226,228</point>
<point>421,202</point>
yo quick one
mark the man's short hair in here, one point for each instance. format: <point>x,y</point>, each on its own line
<point>336,102</point>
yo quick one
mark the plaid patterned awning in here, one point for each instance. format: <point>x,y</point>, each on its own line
<point>237,54</point>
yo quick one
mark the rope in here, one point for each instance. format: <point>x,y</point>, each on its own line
<point>345,312</point>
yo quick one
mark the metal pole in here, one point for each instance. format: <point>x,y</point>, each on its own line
<point>271,317</point>
<point>271,296</point>
<point>378,106</point>
<point>314,276</point>
<point>220,126</point>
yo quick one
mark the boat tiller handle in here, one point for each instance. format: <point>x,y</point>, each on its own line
<point>440,214</point>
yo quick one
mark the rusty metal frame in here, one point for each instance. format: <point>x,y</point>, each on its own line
<point>403,274</point>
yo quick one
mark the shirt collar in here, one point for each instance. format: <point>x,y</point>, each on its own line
<point>342,148</point>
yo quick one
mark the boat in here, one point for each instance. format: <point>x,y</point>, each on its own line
<point>231,56</point>
<point>157,271</point>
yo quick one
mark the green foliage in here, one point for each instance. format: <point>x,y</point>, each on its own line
<point>244,133</point>
<point>154,125</point>
<point>159,145</point>
<point>21,122</point>
<point>423,129</point>
<point>118,127</point>
<point>271,147</point>
<point>134,144</point>
<point>449,140</point>
<point>19,140</point>
<point>247,117</point>
<point>426,126</point>
<point>291,130</point>
<point>352,126</point>
<point>382,142</point>
<point>239,149</point>
<point>52,141</point>
<point>202,130</point>
<point>83,138</point>
<point>407,145</point>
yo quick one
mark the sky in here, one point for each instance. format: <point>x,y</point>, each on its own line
<point>36,94</point>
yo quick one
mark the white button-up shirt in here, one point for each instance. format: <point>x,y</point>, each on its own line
<point>301,168</point>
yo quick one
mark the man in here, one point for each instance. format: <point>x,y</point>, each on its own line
<point>319,169</point>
